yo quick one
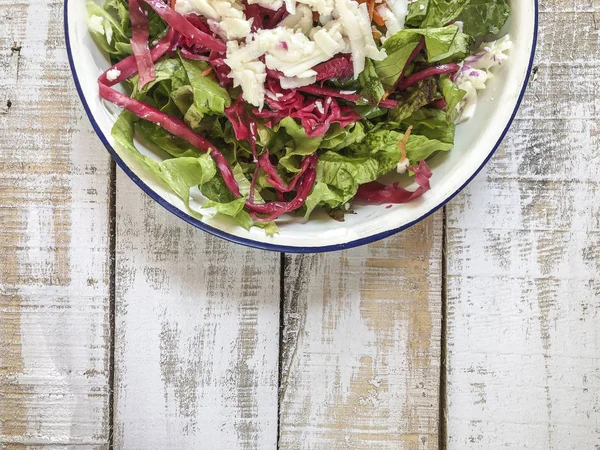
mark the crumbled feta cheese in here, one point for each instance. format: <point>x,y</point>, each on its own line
<point>96,23</point>
<point>109,34</point>
<point>319,106</point>
<point>476,71</point>
<point>113,74</point>
<point>296,82</point>
<point>402,166</point>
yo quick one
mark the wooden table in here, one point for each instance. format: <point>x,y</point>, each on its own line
<point>122,326</point>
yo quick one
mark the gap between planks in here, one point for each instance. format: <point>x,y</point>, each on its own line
<point>112,289</point>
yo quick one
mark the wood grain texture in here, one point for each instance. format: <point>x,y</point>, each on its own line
<point>197,334</point>
<point>54,268</point>
<point>361,345</point>
<point>523,261</point>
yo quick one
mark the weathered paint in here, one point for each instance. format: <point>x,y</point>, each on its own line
<point>361,345</point>
<point>523,252</point>
<point>54,269</point>
<point>197,332</point>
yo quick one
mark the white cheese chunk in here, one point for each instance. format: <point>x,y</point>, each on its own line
<point>402,166</point>
<point>296,82</point>
<point>113,74</point>
<point>96,23</point>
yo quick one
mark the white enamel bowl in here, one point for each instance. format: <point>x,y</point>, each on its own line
<point>476,141</point>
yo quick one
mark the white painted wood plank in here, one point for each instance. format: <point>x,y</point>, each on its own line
<point>197,335</point>
<point>361,345</point>
<point>54,269</point>
<point>524,261</point>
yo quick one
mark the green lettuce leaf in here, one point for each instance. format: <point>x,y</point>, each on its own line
<point>441,12</point>
<point>422,94</point>
<point>223,201</point>
<point>398,48</point>
<point>324,195</point>
<point>481,17</point>
<point>165,141</point>
<point>446,44</point>
<point>169,72</point>
<point>178,174</point>
<point>442,44</point>
<point>209,96</point>
<point>417,11</point>
<point>338,138</point>
<point>432,124</point>
<point>108,30</point>
<point>110,26</point>
<point>420,148</point>
<point>290,139</point>
<point>453,95</point>
<point>372,87</point>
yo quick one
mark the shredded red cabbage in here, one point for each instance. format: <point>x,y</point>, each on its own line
<point>184,27</point>
<point>128,67</point>
<point>236,115</point>
<point>377,193</point>
<point>426,73</point>
<point>140,33</point>
<point>273,210</point>
<point>273,177</point>
<point>440,103</point>
<point>189,55</point>
<point>352,97</point>
<point>339,67</point>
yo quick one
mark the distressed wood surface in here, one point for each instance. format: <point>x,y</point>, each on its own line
<point>54,263</point>
<point>198,349</point>
<point>197,332</point>
<point>524,261</point>
<point>361,345</point>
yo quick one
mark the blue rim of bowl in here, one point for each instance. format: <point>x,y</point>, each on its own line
<point>273,247</point>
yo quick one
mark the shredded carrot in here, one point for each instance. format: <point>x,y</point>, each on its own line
<point>207,71</point>
<point>403,142</point>
<point>172,3</point>
<point>371,9</point>
<point>376,33</point>
<point>378,19</point>
<point>386,94</point>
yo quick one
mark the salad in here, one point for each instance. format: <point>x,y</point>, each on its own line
<point>270,107</point>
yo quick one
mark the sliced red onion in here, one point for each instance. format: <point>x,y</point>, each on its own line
<point>426,73</point>
<point>189,55</point>
<point>440,103</point>
<point>273,210</point>
<point>273,177</point>
<point>355,98</point>
<point>174,126</point>
<point>377,193</point>
<point>337,67</point>
<point>184,27</point>
<point>140,33</point>
<point>128,67</point>
<point>410,59</point>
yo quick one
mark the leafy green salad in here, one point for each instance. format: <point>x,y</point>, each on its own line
<point>273,107</point>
